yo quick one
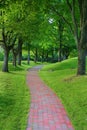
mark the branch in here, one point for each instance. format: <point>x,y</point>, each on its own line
<point>69,5</point>
<point>75,22</point>
<point>9,36</point>
<point>72,9</point>
<point>12,43</point>
<point>66,21</point>
<point>80,10</point>
<point>80,5</point>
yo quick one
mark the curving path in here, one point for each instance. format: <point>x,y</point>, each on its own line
<point>46,111</point>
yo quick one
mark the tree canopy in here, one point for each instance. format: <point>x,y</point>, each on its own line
<point>54,27</point>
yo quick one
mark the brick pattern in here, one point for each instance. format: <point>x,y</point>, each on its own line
<point>46,111</point>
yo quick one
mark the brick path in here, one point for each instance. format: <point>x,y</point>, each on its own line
<point>46,111</point>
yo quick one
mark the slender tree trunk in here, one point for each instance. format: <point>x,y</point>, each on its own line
<point>14,60</point>
<point>36,55</point>
<point>67,56</point>
<point>60,39</point>
<point>6,56</point>
<point>28,55</point>
<point>60,52</point>
<point>20,51</point>
<point>47,56</point>
<point>19,57</point>
<point>42,55</point>
<point>15,52</point>
<point>52,55</point>
<point>60,46</point>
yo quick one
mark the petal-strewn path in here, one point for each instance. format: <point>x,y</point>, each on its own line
<point>46,111</point>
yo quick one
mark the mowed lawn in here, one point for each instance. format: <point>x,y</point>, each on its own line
<point>71,89</point>
<point>14,99</point>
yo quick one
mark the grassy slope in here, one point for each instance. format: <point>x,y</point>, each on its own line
<point>14,99</point>
<point>71,89</point>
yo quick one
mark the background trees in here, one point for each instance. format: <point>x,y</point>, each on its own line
<point>50,29</point>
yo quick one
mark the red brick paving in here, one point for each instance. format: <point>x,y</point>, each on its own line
<point>46,111</point>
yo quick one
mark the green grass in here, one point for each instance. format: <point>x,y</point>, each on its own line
<point>14,98</point>
<point>66,64</point>
<point>71,89</point>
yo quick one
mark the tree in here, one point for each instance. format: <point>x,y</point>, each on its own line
<point>57,13</point>
<point>80,35</point>
<point>15,53</point>
<point>8,34</point>
<point>77,11</point>
<point>8,41</point>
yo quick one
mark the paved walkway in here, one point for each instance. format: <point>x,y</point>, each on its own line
<point>46,111</point>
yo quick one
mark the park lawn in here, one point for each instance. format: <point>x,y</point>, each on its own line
<point>14,98</point>
<point>71,89</point>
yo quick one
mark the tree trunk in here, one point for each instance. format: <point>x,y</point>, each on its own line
<point>28,55</point>
<point>52,55</point>
<point>81,62</point>
<point>20,51</point>
<point>5,65</point>
<point>60,46</point>
<point>60,39</point>
<point>19,57</point>
<point>82,45</point>
<point>15,52</point>
<point>42,55</point>
<point>66,54</point>
<point>60,54</point>
<point>36,55</point>
<point>14,60</point>
<point>47,56</point>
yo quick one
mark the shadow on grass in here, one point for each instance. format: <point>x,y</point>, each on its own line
<point>6,103</point>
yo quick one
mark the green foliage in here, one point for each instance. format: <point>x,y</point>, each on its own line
<point>37,23</point>
<point>71,89</point>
